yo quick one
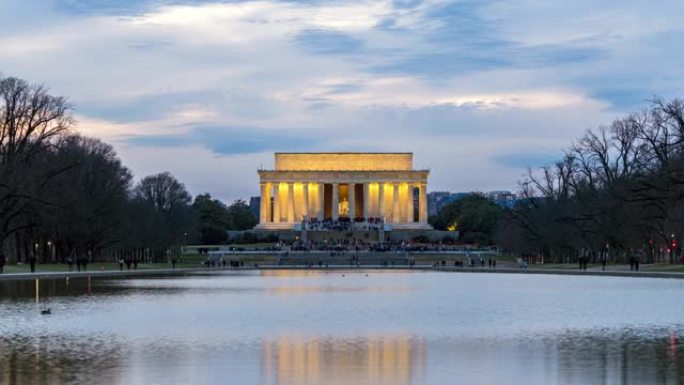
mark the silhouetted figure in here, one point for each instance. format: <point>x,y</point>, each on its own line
<point>32,263</point>
<point>494,263</point>
<point>3,260</point>
<point>636,264</point>
<point>121,264</point>
<point>603,263</point>
<point>173,263</point>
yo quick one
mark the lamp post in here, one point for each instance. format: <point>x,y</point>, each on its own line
<point>673,245</point>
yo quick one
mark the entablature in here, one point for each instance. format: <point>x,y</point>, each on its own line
<point>406,176</point>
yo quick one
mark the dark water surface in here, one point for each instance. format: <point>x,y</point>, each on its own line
<point>308,327</point>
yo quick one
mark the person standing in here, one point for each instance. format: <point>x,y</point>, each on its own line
<point>3,260</point>
<point>32,263</point>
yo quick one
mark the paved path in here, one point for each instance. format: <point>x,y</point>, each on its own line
<point>103,273</point>
<point>498,270</point>
<point>181,271</point>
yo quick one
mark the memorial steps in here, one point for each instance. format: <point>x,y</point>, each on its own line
<point>343,259</point>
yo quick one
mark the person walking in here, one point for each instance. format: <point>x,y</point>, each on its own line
<point>3,260</point>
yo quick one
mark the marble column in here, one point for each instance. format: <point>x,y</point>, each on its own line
<point>366,202</point>
<point>395,203</point>
<point>262,203</point>
<point>321,201</point>
<point>265,206</point>
<point>276,203</point>
<point>409,203</point>
<point>305,203</point>
<point>290,203</point>
<point>335,201</point>
<point>352,201</point>
<point>422,203</point>
<point>381,200</point>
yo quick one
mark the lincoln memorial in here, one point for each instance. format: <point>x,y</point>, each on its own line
<point>310,189</point>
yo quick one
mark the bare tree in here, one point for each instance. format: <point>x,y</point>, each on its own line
<point>31,120</point>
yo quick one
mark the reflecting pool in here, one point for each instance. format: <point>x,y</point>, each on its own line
<point>344,327</point>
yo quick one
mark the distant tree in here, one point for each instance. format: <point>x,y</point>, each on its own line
<point>474,217</point>
<point>213,219</point>
<point>241,217</point>
<point>31,121</point>
<point>616,193</point>
<point>162,210</point>
<point>89,199</point>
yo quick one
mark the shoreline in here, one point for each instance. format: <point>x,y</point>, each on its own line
<point>419,268</point>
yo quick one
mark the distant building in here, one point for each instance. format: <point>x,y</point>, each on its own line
<point>504,198</point>
<point>433,199</point>
<point>255,205</point>
<point>437,200</point>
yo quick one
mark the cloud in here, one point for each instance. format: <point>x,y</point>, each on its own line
<point>226,140</point>
<point>457,82</point>
<point>530,159</point>
<point>322,41</point>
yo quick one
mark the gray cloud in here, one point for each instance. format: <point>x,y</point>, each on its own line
<point>228,140</point>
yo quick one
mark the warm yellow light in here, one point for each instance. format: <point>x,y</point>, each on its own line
<point>343,161</point>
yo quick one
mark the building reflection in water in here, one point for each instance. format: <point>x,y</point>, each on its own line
<point>395,360</point>
<point>322,281</point>
<point>59,360</point>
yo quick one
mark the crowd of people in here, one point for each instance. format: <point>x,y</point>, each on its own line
<point>352,244</point>
<point>343,224</point>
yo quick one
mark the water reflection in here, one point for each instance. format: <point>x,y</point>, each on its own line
<point>304,327</point>
<point>59,360</point>
<point>644,356</point>
<point>394,360</point>
<point>570,358</point>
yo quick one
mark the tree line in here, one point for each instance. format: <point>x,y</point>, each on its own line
<point>616,193</point>
<point>64,195</point>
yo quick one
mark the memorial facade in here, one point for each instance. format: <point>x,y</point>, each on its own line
<point>349,187</point>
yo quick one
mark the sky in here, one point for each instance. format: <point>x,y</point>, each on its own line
<point>477,90</point>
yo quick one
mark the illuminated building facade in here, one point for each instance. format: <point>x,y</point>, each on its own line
<point>335,186</point>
